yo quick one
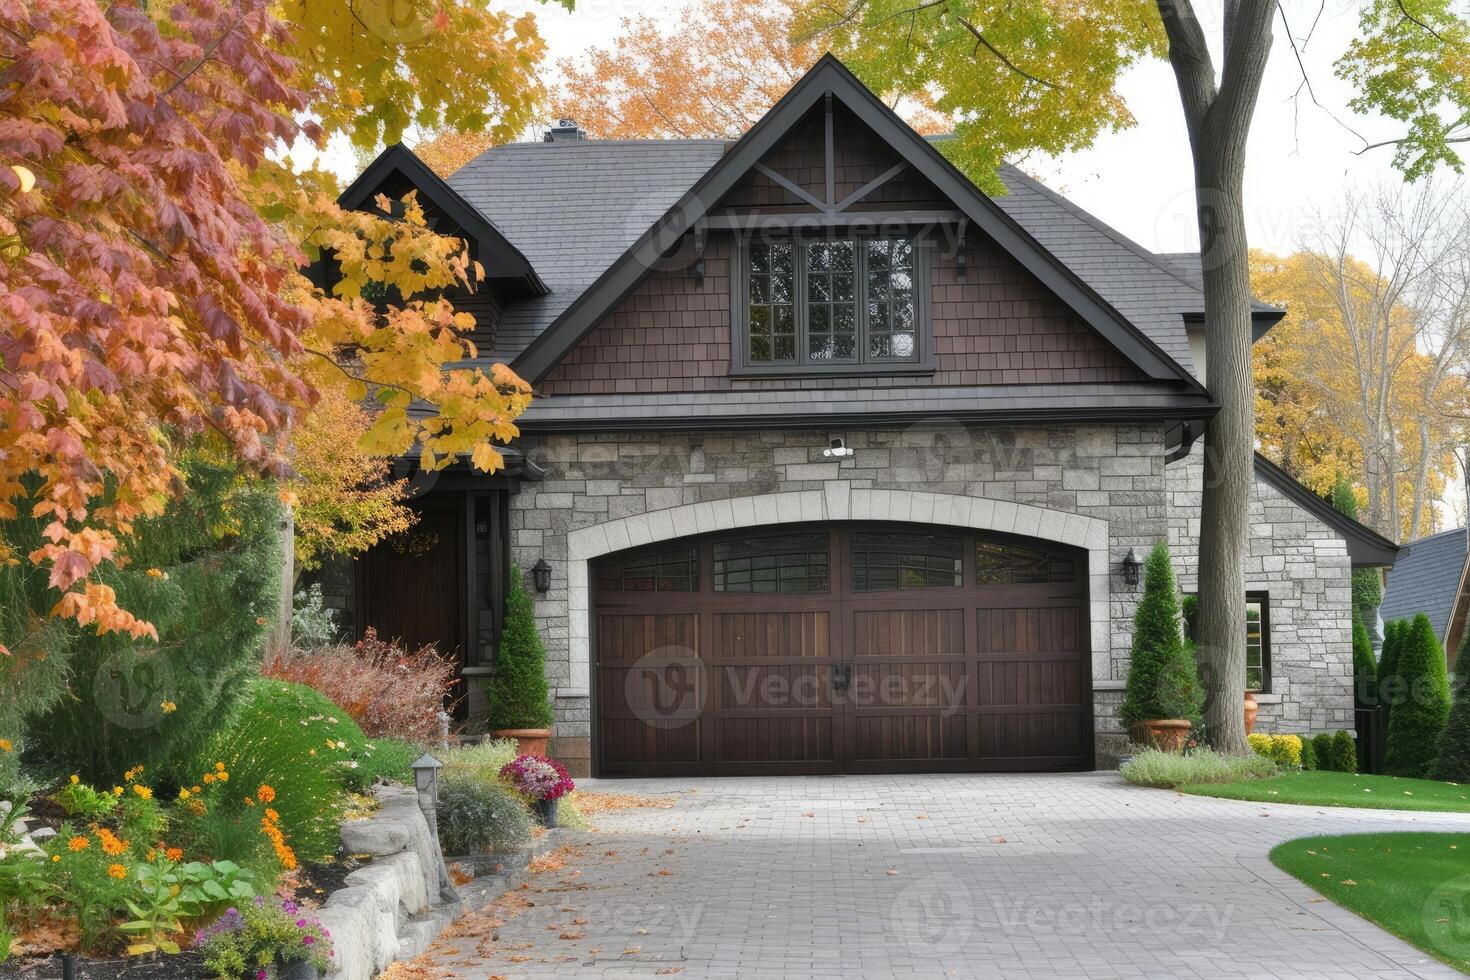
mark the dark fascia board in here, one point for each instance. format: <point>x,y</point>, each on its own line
<point>830,75</point>
<point>1261,321</point>
<point>1366,547</point>
<point>609,421</point>
<point>500,258</point>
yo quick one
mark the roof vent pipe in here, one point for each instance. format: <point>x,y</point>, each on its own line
<point>563,129</point>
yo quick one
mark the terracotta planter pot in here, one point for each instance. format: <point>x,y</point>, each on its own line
<point>1164,734</point>
<point>1252,708</point>
<point>529,741</point>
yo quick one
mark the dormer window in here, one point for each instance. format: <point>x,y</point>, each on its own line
<point>831,304</point>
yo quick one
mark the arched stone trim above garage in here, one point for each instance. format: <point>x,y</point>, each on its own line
<point>837,501</point>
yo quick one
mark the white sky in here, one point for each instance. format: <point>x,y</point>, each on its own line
<point>1300,161</point>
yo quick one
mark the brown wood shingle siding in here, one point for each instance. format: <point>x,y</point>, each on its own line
<point>998,327</point>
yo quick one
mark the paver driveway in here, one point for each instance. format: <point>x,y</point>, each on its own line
<point>945,875</point>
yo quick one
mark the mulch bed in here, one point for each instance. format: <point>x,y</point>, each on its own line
<point>188,965</point>
<point>317,881</point>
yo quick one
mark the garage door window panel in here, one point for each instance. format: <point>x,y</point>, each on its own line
<point>789,564</point>
<point>676,570</point>
<point>886,561</point>
<point>1006,564</point>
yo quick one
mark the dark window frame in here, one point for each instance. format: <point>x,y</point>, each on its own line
<point>1263,597</point>
<point>921,363</point>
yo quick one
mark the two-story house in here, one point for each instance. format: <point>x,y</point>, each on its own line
<point>836,464</point>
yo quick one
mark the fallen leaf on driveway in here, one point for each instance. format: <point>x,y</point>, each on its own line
<point>632,950</point>
<point>668,971</point>
<point>570,935</point>
<point>892,871</point>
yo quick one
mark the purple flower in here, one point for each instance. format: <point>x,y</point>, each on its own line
<point>301,923</point>
<point>308,939</point>
<point>260,975</point>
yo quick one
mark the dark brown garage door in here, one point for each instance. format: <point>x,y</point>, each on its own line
<point>842,648</point>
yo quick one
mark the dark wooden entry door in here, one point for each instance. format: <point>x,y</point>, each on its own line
<point>842,648</point>
<point>413,583</point>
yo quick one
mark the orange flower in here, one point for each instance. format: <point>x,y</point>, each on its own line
<point>265,794</point>
<point>117,871</point>
<point>249,801</point>
<point>272,815</point>
<point>6,745</point>
<point>184,794</point>
<point>110,842</point>
<point>55,857</point>
<point>208,777</point>
<point>219,767</point>
<point>174,853</point>
<point>78,843</point>
<point>144,792</point>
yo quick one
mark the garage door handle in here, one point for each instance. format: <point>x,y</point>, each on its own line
<point>840,676</point>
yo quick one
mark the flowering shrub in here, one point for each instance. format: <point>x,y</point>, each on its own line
<point>387,690</point>
<point>290,739</point>
<point>538,777</point>
<point>248,939</point>
<point>117,878</point>
<point>1284,750</point>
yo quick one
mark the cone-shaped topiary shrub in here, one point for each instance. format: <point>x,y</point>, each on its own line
<point>1452,762</point>
<point>1163,681</point>
<point>1344,752</point>
<point>1365,671</point>
<point>1389,683</point>
<point>1422,707</point>
<point>517,692</point>
<point>1322,750</point>
<point>1309,752</point>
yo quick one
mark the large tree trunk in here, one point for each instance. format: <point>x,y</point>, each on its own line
<point>1229,449</point>
<point>1218,118</point>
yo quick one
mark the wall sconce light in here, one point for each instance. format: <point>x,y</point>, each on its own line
<point>541,576</point>
<point>482,526</point>
<point>1130,567</point>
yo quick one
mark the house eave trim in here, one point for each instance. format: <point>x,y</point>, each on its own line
<point>609,422</point>
<point>1366,547</point>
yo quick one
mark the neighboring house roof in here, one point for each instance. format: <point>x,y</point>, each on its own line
<point>1366,547</point>
<point>1428,579</point>
<point>1187,264</point>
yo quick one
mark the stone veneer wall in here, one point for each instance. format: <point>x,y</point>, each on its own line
<point>1304,566</point>
<point>1110,473</point>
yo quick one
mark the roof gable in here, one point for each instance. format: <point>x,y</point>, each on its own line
<point>396,171</point>
<point>830,78</point>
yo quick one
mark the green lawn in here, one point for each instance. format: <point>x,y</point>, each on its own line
<point>1344,789</point>
<point>1415,885</point>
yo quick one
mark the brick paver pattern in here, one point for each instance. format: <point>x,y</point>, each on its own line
<point>1075,875</point>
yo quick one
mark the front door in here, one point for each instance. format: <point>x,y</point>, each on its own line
<point>412,583</point>
<point>842,648</point>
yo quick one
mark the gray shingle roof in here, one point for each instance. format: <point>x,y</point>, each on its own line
<point>1188,265</point>
<point>574,206</point>
<point>1426,578</point>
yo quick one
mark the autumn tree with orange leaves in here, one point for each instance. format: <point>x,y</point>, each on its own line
<point>711,76</point>
<point>146,301</point>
